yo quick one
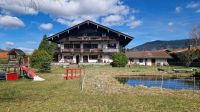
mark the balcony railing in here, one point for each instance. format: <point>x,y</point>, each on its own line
<point>89,50</point>
<point>110,50</point>
<point>89,38</point>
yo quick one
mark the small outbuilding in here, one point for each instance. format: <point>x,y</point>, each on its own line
<point>149,58</point>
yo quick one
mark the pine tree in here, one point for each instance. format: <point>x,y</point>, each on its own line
<point>49,47</point>
<point>44,44</point>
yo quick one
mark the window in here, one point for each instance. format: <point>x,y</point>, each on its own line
<point>112,45</point>
<point>93,57</point>
<point>77,46</point>
<point>67,46</point>
<point>132,59</point>
<point>89,46</point>
<point>86,46</point>
<point>141,60</point>
<point>94,45</point>
<point>68,57</point>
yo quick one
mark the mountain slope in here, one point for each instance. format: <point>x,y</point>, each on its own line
<point>158,45</point>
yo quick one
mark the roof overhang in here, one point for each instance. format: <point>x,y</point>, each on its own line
<point>122,37</point>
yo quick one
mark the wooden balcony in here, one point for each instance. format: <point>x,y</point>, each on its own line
<point>90,38</point>
<point>110,50</point>
<point>96,50</point>
<point>80,50</point>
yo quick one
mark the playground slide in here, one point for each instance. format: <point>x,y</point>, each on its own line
<point>30,72</point>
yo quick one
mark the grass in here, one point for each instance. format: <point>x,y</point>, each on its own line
<point>56,94</point>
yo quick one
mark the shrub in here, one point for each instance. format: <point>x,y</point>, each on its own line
<point>119,60</point>
<point>41,60</point>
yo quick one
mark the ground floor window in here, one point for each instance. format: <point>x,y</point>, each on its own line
<point>93,57</point>
<point>141,60</point>
<point>68,57</point>
<point>131,60</point>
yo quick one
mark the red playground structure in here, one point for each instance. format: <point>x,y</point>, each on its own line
<point>72,73</point>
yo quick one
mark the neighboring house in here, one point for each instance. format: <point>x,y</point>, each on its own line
<point>88,42</point>
<point>4,55</point>
<point>148,57</point>
<point>17,56</point>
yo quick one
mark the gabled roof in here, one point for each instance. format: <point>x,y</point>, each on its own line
<point>17,51</point>
<point>125,36</point>
<point>148,54</point>
<point>4,55</point>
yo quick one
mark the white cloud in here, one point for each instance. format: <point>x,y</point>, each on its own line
<point>192,5</point>
<point>71,12</point>
<point>170,26</point>
<point>113,20</point>
<point>46,26</point>
<point>198,11</point>
<point>178,9</point>
<point>27,50</point>
<point>10,21</point>
<point>68,22</point>
<point>133,23</point>
<point>170,23</point>
<point>8,43</point>
<point>19,6</point>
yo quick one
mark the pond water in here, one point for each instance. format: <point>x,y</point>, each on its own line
<point>168,83</point>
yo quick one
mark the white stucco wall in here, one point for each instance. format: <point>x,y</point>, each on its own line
<point>149,62</point>
<point>107,59</point>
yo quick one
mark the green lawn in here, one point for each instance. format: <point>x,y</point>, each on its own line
<point>101,92</point>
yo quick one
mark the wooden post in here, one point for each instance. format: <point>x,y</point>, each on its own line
<point>71,73</point>
<point>67,76</point>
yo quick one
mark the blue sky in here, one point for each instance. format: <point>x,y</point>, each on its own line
<point>24,22</point>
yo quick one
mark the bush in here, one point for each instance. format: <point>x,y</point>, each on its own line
<point>41,60</point>
<point>119,60</point>
<point>3,61</point>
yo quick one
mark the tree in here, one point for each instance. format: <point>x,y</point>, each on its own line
<point>49,47</point>
<point>195,35</point>
<point>41,60</point>
<point>119,60</point>
<point>187,57</point>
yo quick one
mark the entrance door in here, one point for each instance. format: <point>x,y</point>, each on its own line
<point>77,59</point>
<point>153,61</point>
<point>146,62</point>
<point>85,59</point>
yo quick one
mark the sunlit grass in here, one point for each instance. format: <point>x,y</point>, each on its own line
<point>57,94</point>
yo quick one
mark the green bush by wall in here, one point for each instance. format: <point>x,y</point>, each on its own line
<point>119,60</point>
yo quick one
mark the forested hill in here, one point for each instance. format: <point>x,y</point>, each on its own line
<point>158,45</point>
<point>1,50</point>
